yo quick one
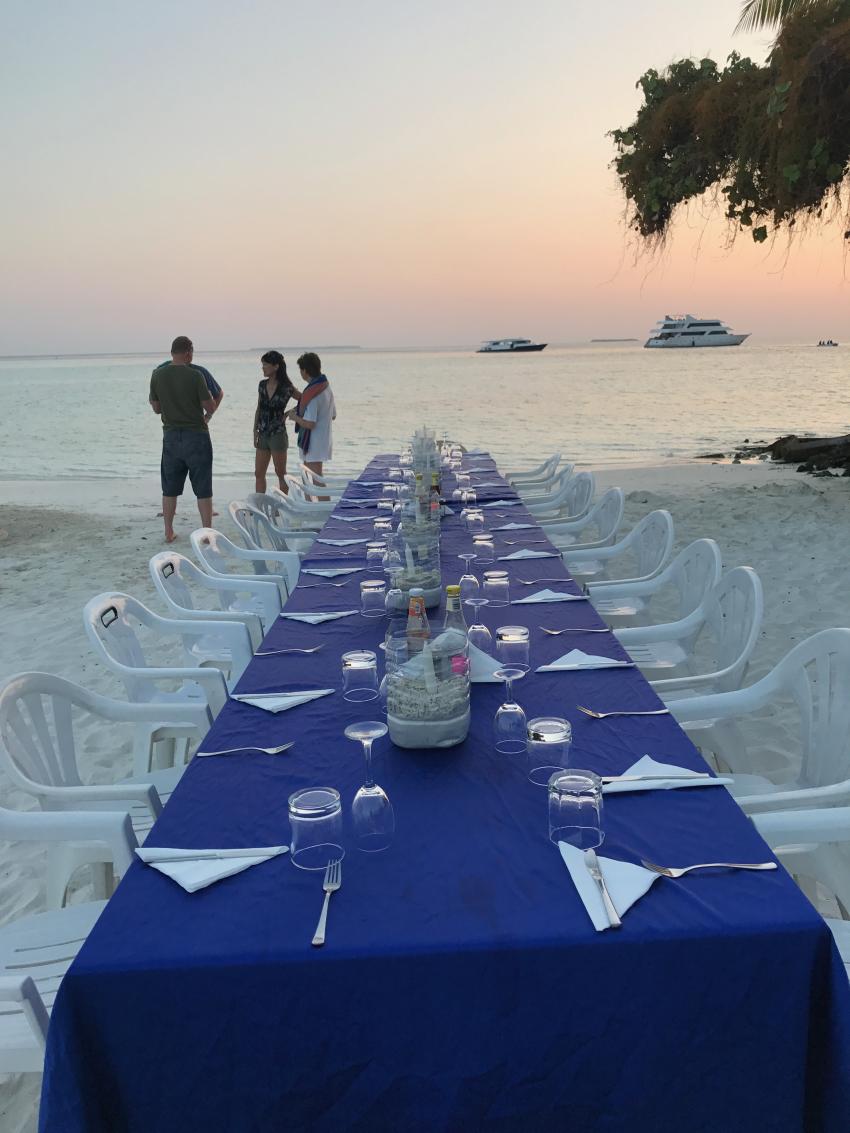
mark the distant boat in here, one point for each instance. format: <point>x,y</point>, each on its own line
<point>686,330</point>
<point>510,346</point>
<point>827,342</point>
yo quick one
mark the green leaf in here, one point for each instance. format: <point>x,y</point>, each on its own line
<point>783,88</point>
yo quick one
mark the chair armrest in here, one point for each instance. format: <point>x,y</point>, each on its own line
<point>826,824</point>
<point>664,631</point>
<point>71,798</point>
<point>111,827</point>
<point>24,992</point>
<point>833,795</point>
<point>720,705</point>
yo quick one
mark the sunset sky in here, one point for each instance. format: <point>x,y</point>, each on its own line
<point>355,171</point>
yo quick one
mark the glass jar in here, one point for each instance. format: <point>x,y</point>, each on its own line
<point>427,690</point>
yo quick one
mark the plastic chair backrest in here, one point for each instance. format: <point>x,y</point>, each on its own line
<point>268,505</point>
<point>734,613</point>
<point>651,543</point>
<point>109,622</point>
<point>36,727</point>
<point>607,514</point>
<point>694,572</point>
<point>257,531</point>
<point>579,493</point>
<point>171,573</point>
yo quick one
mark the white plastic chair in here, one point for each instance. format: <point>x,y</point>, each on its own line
<point>538,490</point>
<point>729,617</point>
<point>327,479</point>
<point>39,752</point>
<point>277,510</point>
<point>571,502</point>
<point>692,574</point>
<point>645,551</point>
<point>308,487</point>
<point>815,676</point>
<point>540,473</point>
<point>259,533</point>
<point>223,559</point>
<point>250,601</point>
<point>603,519</point>
<point>112,623</point>
<point>814,845</point>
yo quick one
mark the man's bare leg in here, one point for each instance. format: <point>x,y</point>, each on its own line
<point>315,467</point>
<point>169,508</point>
<point>205,508</point>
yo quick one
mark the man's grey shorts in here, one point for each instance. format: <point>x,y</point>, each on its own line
<point>186,451</point>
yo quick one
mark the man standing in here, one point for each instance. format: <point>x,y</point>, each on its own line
<point>179,394</point>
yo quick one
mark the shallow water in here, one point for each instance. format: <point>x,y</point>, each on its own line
<point>599,404</point>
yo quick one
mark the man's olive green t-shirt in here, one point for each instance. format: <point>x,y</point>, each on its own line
<point>180,391</point>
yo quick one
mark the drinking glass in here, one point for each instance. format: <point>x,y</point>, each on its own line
<point>359,675</point>
<point>382,527</point>
<point>375,552</point>
<point>475,521</point>
<point>509,724</point>
<point>394,475</point>
<point>497,587</point>
<point>485,548</point>
<point>478,634</point>
<point>575,809</point>
<point>385,506</point>
<point>457,494</point>
<point>469,498</point>
<point>512,646</point>
<point>547,748</point>
<point>469,587</point>
<point>389,491</point>
<point>371,811</point>
<point>394,599</point>
<point>315,821</point>
<point>464,480</point>
<point>373,598</point>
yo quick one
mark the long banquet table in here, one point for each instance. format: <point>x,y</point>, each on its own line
<point>462,985</point>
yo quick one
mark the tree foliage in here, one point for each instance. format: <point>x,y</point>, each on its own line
<point>757,14</point>
<point>774,138</point>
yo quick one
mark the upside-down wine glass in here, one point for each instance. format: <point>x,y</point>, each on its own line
<point>469,587</point>
<point>478,634</point>
<point>371,811</point>
<point>509,724</point>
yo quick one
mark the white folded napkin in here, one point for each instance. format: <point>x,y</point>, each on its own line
<point>357,503</point>
<point>503,503</point>
<point>314,619</point>
<point>549,596</point>
<point>526,554</point>
<point>489,484</point>
<point>679,777</point>
<point>330,572</point>
<point>280,701</point>
<point>352,518</point>
<point>626,883</point>
<point>369,483</point>
<point>196,869</point>
<point>516,527</point>
<point>341,542</point>
<point>576,659</point>
<point>482,666</point>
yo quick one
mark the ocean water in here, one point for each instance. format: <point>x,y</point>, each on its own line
<point>600,404</point>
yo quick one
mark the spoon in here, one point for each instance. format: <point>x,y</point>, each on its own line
<point>558,632</point>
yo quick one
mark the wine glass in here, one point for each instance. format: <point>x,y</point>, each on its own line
<point>509,724</point>
<point>478,634</point>
<point>469,587</point>
<point>371,811</point>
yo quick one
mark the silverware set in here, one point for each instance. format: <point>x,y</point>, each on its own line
<point>332,882</point>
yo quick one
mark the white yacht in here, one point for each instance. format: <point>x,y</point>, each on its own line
<point>510,346</point>
<point>686,330</point>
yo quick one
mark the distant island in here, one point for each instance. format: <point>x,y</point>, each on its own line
<point>615,340</point>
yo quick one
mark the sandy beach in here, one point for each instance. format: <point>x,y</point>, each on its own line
<point>75,539</point>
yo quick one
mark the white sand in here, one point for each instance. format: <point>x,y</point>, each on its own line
<point>62,543</point>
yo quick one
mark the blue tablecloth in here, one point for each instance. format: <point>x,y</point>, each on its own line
<point>462,986</point>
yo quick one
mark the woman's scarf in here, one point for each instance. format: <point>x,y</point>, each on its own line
<point>313,388</point>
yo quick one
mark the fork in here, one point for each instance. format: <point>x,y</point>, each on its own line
<point>577,629</point>
<point>603,715</point>
<point>524,542</point>
<point>679,871</point>
<point>317,585</point>
<point>292,649</point>
<point>265,750</point>
<point>332,882</point>
<point>536,581</point>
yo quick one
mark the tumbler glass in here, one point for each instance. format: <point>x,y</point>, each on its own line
<point>485,548</point>
<point>373,597</point>
<point>475,524</point>
<point>497,587</point>
<point>575,809</point>
<point>315,821</point>
<point>375,552</point>
<point>512,648</point>
<point>359,675</point>
<point>547,748</point>
<point>382,527</point>
<point>394,474</point>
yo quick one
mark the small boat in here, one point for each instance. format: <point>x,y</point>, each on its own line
<point>827,342</point>
<point>686,330</point>
<point>510,346</point>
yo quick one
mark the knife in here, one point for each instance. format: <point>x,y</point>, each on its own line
<point>650,778</point>
<point>592,863</point>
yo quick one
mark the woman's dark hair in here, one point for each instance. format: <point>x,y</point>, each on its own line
<point>275,358</point>
<point>311,364</point>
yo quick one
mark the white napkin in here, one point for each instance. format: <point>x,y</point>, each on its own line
<point>358,503</point>
<point>193,872</point>
<point>280,701</point>
<point>370,483</point>
<point>352,518</point>
<point>576,659</point>
<point>482,666</point>
<point>489,484</point>
<point>626,883</point>
<point>330,572</point>
<point>503,503</point>
<point>516,527</point>
<point>341,542</point>
<point>314,619</point>
<point>526,554</point>
<point>549,596</point>
<point>679,777</point>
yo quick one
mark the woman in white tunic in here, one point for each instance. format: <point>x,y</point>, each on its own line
<point>314,415</point>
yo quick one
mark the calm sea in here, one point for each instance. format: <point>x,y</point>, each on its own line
<point>601,404</point>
